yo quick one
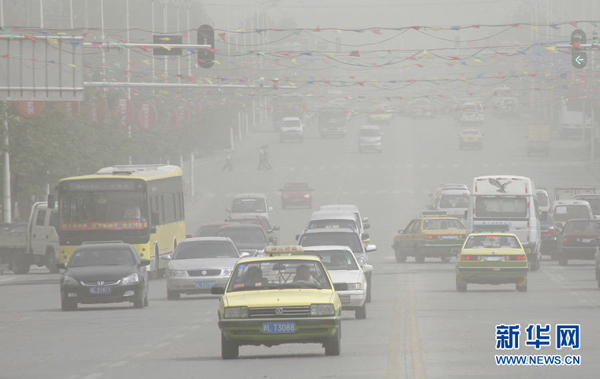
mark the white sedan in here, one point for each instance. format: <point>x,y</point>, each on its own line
<point>343,268</point>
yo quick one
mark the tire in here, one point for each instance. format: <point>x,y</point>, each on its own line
<point>361,313</point>
<point>333,345</point>
<point>461,285</point>
<point>522,286</point>
<point>446,259</point>
<point>420,258</point>
<point>229,349</point>
<point>51,261</point>
<point>173,295</point>
<point>21,263</point>
<point>138,300</point>
<point>67,305</point>
<point>368,299</point>
<point>400,257</point>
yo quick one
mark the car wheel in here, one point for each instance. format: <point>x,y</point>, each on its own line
<point>400,257</point>
<point>461,285</point>
<point>138,300</point>
<point>229,349</point>
<point>67,305</point>
<point>420,258</point>
<point>361,313</point>
<point>368,299</point>
<point>522,285</point>
<point>21,263</point>
<point>51,261</point>
<point>333,345</point>
<point>173,295</point>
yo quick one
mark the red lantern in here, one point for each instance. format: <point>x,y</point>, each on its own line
<point>29,109</point>
<point>146,115</point>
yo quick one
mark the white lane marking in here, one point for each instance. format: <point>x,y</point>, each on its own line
<point>142,354</point>
<point>25,318</point>
<point>118,364</point>
<point>195,327</point>
<point>181,335</point>
<point>163,344</point>
<point>93,375</point>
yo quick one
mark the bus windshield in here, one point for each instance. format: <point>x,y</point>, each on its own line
<point>85,210</point>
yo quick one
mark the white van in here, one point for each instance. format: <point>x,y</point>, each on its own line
<point>507,203</point>
<point>454,202</point>
<point>543,200</point>
<point>363,222</point>
<point>565,210</point>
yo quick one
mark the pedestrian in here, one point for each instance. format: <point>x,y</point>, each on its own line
<point>228,166</point>
<point>261,158</point>
<point>267,164</point>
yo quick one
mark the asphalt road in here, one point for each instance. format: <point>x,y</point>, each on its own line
<point>418,326</point>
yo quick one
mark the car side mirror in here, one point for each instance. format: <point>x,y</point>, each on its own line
<point>297,237</point>
<point>366,225</point>
<point>365,219</point>
<point>244,254</point>
<point>61,265</point>
<point>338,286</point>
<point>146,262</point>
<point>365,237</point>
<point>370,247</point>
<point>367,268</point>
<point>272,239</point>
<point>217,290</point>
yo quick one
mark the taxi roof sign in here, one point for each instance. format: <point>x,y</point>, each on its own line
<point>286,249</point>
<point>434,213</point>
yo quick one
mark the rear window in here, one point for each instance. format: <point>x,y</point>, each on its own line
<point>563,213</point>
<point>205,249</point>
<point>492,242</point>
<point>370,133</point>
<point>501,207</point>
<point>542,199</point>
<point>594,204</point>
<point>328,239</point>
<point>442,225</point>
<point>249,205</point>
<point>332,224</point>
<point>582,227</point>
<point>454,201</point>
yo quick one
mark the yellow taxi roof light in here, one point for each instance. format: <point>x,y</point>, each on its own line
<point>289,249</point>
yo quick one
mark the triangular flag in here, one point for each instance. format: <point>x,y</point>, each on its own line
<point>354,53</point>
<point>223,36</point>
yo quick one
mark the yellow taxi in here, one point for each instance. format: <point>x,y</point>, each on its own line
<point>282,297</point>
<point>492,258</point>
<point>431,235</point>
<point>470,138</point>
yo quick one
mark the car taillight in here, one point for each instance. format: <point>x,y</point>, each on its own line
<point>516,257</point>
<point>469,257</point>
<point>568,239</point>
<point>550,232</point>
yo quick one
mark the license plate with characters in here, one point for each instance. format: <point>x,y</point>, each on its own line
<point>492,259</point>
<point>100,290</point>
<point>278,327</point>
<point>204,284</point>
<point>449,237</point>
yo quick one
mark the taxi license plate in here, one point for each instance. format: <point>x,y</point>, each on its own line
<point>204,284</point>
<point>100,290</point>
<point>492,259</point>
<point>345,299</point>
<point>449,237</point>
<point>279,327</point>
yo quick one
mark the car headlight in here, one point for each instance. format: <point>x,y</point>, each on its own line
<point>130,279</point>
<point>226,272</point>
<point>177,273</point>
<point>69,281</point>
<point>322,310</point>
<point>354,286</point>
<point>236,312</point>
<point>307,195</point>
<point>362,261</point>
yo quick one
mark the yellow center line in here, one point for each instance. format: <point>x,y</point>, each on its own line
<point>416,351</point>
<point>395,354</point>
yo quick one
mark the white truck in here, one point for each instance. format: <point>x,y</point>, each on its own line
<point>34,243</point>
<point>507,203</point>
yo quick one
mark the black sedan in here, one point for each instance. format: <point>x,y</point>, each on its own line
<point>109,272</point>
<point>550,235</point>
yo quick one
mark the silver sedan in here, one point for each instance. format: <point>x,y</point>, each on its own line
<point>199,264</point>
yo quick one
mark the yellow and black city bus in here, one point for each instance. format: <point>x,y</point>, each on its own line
<point>138,204</point>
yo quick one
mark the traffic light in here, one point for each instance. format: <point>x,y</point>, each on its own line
<point>206,36</point>
<point>578,55</point>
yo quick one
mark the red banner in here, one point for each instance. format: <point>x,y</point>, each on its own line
<point>98,111</point>
<point>124,111</point>
<point>146,115</point>
<point>29,109</point>
<point>118,225</point>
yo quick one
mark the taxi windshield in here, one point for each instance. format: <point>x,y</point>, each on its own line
<point>279,274</point>
<point>335,259</point>
<point>492,242</point>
